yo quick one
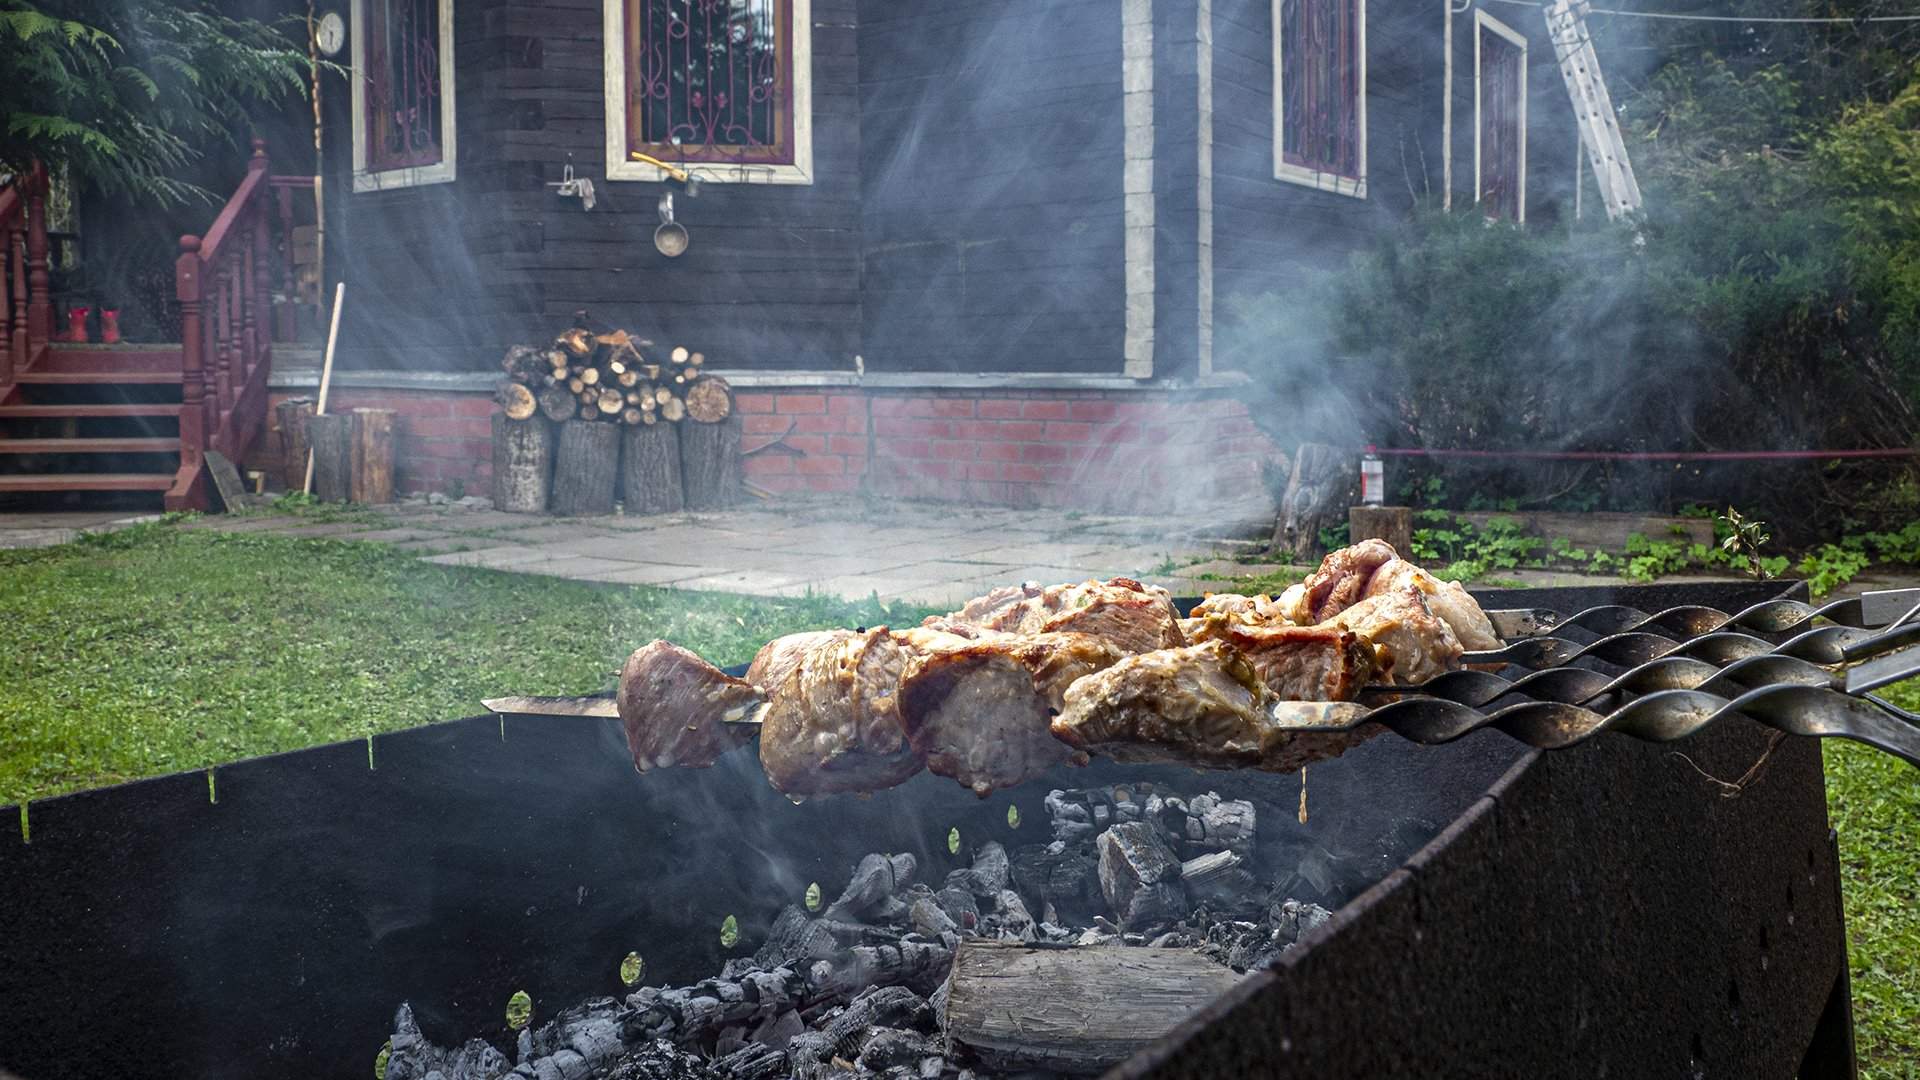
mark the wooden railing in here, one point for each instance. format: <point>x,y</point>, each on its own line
<point>26,314</point>
<point>226,331</point>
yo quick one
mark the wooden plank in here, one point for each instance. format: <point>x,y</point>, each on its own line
<point>1072,1010</point>
<point>62,412</point>
<point>87,482</point>
<point>97,378</point>
<point>89,446</point>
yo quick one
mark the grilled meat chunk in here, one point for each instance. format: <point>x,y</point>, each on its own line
<point>834,724</point>
<point>1410,643</point>
<point>979,712</point>
<point>1136,617</point>
<point>1338,584</point>
<point>675,708</point>
<point>1249,609</point>
<point>778,658</point>
<point>1297,663</point>
<point>1447,599</point>
<point>1203,705</point>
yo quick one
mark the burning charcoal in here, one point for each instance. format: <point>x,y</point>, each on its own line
<point>1134,860</point>
<point>1172,939</point>
<point>989,872</point>
<point>1016,923</point>
<point>1072,821</point>
<point>778,1030</point>
<point>887,1047</point>
<point>959,905</point>
<point>752,1062</point>
<point>693,1013</point>
<point>1214,823</point>
<point>874,882</point>
<point>929,918</point>
<point>1292,919</point>
<point>654,1060</point>
<point>1060,874</point>
<point>1095,936</point>
<point>1216,879</point>
<point>412,1057</point>
<point>914,963</point>
<point>794,937</point>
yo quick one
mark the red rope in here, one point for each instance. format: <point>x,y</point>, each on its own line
<point>1655,455</point>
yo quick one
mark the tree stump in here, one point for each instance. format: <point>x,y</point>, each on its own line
<point>372,456</point>
<point>710,463</point>
<point>293,414</point>
<point>650,469</point>
<point>522,464</point>
<point>1394,524</point>
<point>1321,487</point>
<point>586,469</point>
<point>331,439</point>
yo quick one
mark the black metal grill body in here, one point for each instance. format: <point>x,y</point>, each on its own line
<point>1597,911</point>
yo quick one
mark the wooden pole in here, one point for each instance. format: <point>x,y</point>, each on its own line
<point>326,371</point>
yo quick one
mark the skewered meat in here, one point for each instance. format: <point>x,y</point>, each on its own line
<point>834,723</point>
<point>778,658</point>
<point>1410,643</point>
<point>1339,583</point>
<point>1252,609</point>
<point>1447,599</point>
<point>1136,617</point>
<point>1297,663</point>
<point>677,708</point>
<point>1201,705</point>
<point>979,712</point>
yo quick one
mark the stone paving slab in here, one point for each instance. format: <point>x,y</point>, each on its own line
<point>504,557</point>
<point>752,582</point>
<point>376,535</point>
<point>655,574</point>
<point>439,545</point>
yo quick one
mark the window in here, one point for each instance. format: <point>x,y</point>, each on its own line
<point>402,93</point>
<point>1500,119</point>
<point>1320,94</point>
<point>721,87</point>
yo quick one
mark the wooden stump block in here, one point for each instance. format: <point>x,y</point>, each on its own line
<point>650,469</point>
<point>372,456</point>
<point>293,414</point>
<point>522,464</point>
<point>331,439</point>
<point>586,469</point>
<point>1321,487</point>
<point>710,463</point>
<point>1394,524</point>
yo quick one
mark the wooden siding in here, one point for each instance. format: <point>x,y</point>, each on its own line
<point>991,164</point>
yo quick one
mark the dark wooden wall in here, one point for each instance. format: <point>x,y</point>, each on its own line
<point>991,158</point>
<point>441,275</point>
<point>1268,232</point>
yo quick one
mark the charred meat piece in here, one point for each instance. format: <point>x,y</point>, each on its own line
<point>1447,599</point>
<point>1339,583</point>
<point>1410,643</point>
<point>676,708</point>
<point>1297,663</point>
<point>778,658</point>
<point>1133,616</point>
<point>1202,705</point>
<point>980,712</point>
<point>834,724</point>
<point>1249,609</point>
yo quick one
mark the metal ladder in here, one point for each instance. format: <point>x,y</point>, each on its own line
<point>1592,106</point>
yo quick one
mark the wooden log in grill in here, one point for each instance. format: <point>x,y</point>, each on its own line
<point>331,439</point>
<point>650,469</point>
<point>372,456</point>
<point>522,464</point>
<point>293,414</point>
<point>586,469</point>
<point>1073,1010</point>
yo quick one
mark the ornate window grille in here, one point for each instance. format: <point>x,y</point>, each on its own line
<point>402,92</point>
<point>719,86</point>
<point>1320,101</point>
<point>1500,137</point>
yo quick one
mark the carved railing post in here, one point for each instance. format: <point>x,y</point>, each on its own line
<point>188,278</point>
<point>39,306</point>
<point>13,273</point>
<point>253,270</point>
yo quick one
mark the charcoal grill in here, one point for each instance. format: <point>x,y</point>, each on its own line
<point>1604,909</point>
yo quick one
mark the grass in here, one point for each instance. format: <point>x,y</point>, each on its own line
<point>158,649</point>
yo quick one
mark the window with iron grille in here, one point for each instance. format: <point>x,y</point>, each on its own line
<point>1320,94</point>
<point>402,92</point>
<point>719,86</point>
<point>1500,106</point>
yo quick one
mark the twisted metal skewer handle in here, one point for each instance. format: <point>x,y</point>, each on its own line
<point>1693,620</point>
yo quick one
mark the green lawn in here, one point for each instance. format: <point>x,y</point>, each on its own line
<point>160,648</point>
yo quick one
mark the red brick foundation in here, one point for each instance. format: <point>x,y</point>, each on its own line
<point>1121,450</point>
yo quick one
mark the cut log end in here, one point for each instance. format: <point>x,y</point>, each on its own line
<point>516,401</point>
<point>709,399</point>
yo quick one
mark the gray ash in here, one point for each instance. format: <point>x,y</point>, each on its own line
<point>858,990</point>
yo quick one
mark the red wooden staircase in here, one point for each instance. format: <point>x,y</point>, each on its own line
<point>137,418</point>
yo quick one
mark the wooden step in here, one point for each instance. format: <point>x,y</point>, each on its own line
<point>89,446</point>
<point>64,412</point>
<point>95,378</point>
<point>87,482</point>
<point>78,358</point>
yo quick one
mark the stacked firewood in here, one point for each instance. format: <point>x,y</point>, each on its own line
<point>590,419</point>
<point>587,376</point>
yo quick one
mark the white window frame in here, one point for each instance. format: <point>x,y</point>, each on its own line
<point>620,167</point>
<point>440,172</point>
<point>1483,21</point>
<point>1300,174</point>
